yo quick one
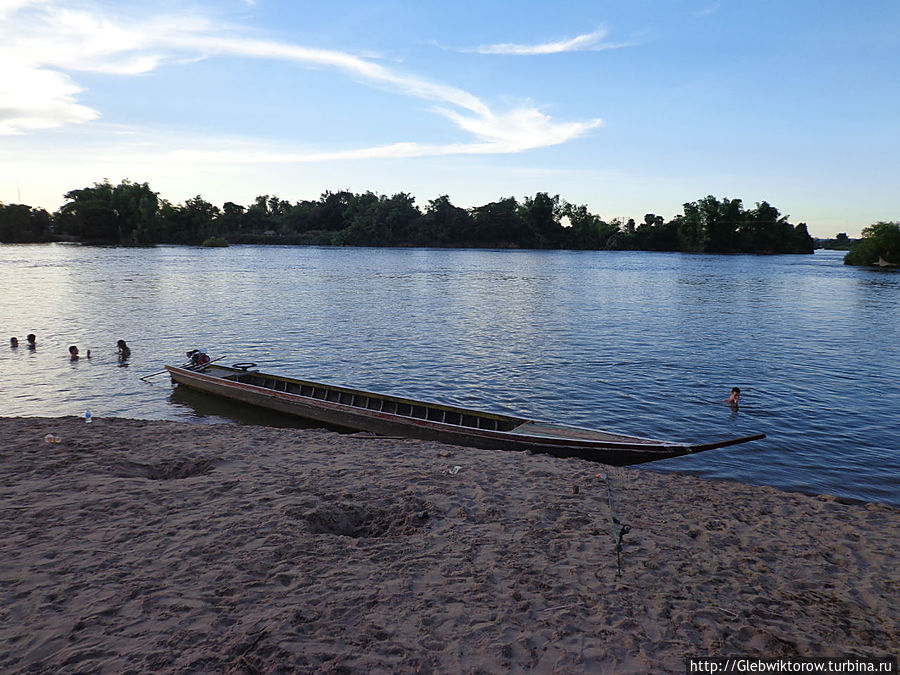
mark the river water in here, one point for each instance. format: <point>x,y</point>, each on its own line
<point>638,342</point>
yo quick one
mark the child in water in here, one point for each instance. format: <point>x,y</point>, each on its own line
<point>73,353</point>
<point>124,351</point>
<point>735,398</point>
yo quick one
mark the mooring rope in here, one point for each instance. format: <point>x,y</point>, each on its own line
<point>619,529</point>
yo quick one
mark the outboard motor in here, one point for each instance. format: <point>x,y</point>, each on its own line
<point>198,357</point>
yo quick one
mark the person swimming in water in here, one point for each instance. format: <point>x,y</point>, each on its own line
<point>124,350</point>
<point>73,353</point>
<point>32,341</point>
<point>735,398</point>
<point>13,342</point>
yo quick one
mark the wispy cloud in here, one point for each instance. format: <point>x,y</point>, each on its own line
<point>7,7</point>
<point>515,132</point>
<point>707,11</point>
<point>586,42</point>
<point>45,43</point>
<point>35,98</point>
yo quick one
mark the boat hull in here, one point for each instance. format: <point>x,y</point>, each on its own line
<point>357,410</point>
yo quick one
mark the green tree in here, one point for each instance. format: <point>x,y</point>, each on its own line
<point>299,218</point>
<point>191,222</point>
<point>721,220</point>
<point>231,220</point>
<point>124,214</point>
<point>801,241</point>
<point>586,231</point>
<point>88,214</point>
<point>840,243</point>
<point>880,245</point>
<point>202,218</point>
<point>20,223</point>
<point>444,224</point>
<point>388,221</point>
<point>336,210</point>
<point>655,234</point>
<point>763,229</point>
<point>499,224</point>
<point>690,229</point>
<point>137,207</point>
<point>541,215</point>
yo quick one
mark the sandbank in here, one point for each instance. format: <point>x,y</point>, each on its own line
<point>141,546</point>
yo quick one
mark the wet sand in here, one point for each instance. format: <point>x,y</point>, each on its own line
<point>136,546</point>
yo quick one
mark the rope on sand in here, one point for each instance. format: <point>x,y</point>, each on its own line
<point>619,529</point>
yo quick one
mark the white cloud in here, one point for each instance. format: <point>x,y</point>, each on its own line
<point>586,42</point>
<point>520,129</point>
<point>8,7</point>
<point>707,11</point>
<point>36,98</point>
<point>367,71</point>
<point>42,42</point>
<point>516,132</point>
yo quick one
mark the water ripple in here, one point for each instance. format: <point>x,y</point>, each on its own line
<point>639,342</point>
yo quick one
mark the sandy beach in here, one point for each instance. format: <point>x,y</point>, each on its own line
<point>135,546</point>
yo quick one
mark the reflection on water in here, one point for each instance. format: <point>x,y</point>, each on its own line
<point>645,343</point>
<point>208,409</point>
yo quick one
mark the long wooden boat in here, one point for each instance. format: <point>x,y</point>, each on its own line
<point>382,414</point>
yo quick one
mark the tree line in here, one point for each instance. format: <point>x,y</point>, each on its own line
<point>839,243</point>
<point>879,246</point>
<point>133,214</point>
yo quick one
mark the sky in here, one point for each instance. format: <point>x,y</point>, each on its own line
<point>628,106</point>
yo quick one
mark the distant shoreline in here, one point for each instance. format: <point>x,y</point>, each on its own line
<point>132,213</point>
<point>288,241</point>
